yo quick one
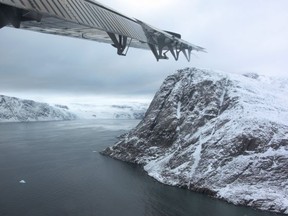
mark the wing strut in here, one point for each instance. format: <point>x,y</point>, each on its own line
<point>120,43</point>
<point>162,42</point>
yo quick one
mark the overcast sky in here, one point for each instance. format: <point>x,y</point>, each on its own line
<point>240,36</point>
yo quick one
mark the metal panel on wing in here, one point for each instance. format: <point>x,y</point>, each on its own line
<point>91,20</point>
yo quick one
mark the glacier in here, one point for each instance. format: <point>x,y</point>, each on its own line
<point>109,110</point>
<point>217,133</point>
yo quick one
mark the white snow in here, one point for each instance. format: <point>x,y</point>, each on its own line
<point>153,168</point>
<point>178,110</point>
<point>238,194</point>
<point>196,156</point>
<point>22,182</point>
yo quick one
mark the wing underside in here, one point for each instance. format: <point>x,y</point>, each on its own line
<point>91,20</point>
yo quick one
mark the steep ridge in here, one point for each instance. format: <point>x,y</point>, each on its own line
<point>14,110</point>
<point>217,133</point>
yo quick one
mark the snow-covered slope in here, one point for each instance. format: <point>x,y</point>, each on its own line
<point>14,110</point>
<point>217,133</point>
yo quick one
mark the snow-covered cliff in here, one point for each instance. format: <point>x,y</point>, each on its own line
<point>221,134</point>
<point>14,110</point>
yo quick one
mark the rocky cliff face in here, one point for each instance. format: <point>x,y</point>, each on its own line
<point>222,134</point>
<point>14,110</point>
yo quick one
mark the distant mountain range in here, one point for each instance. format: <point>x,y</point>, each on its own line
<point>13,109</point>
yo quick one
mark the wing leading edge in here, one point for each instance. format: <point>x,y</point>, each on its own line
<point>91,20</point>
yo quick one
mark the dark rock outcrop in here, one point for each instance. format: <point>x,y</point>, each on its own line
<point>221,134</point>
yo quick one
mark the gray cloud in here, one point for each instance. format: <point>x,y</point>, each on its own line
<point>240,36</point>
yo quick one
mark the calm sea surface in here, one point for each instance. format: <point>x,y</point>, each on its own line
<point>66,176</point>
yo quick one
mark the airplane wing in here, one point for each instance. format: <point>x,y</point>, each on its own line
<point>88,19</point>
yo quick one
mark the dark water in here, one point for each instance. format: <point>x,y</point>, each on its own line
<point>66,176</point>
